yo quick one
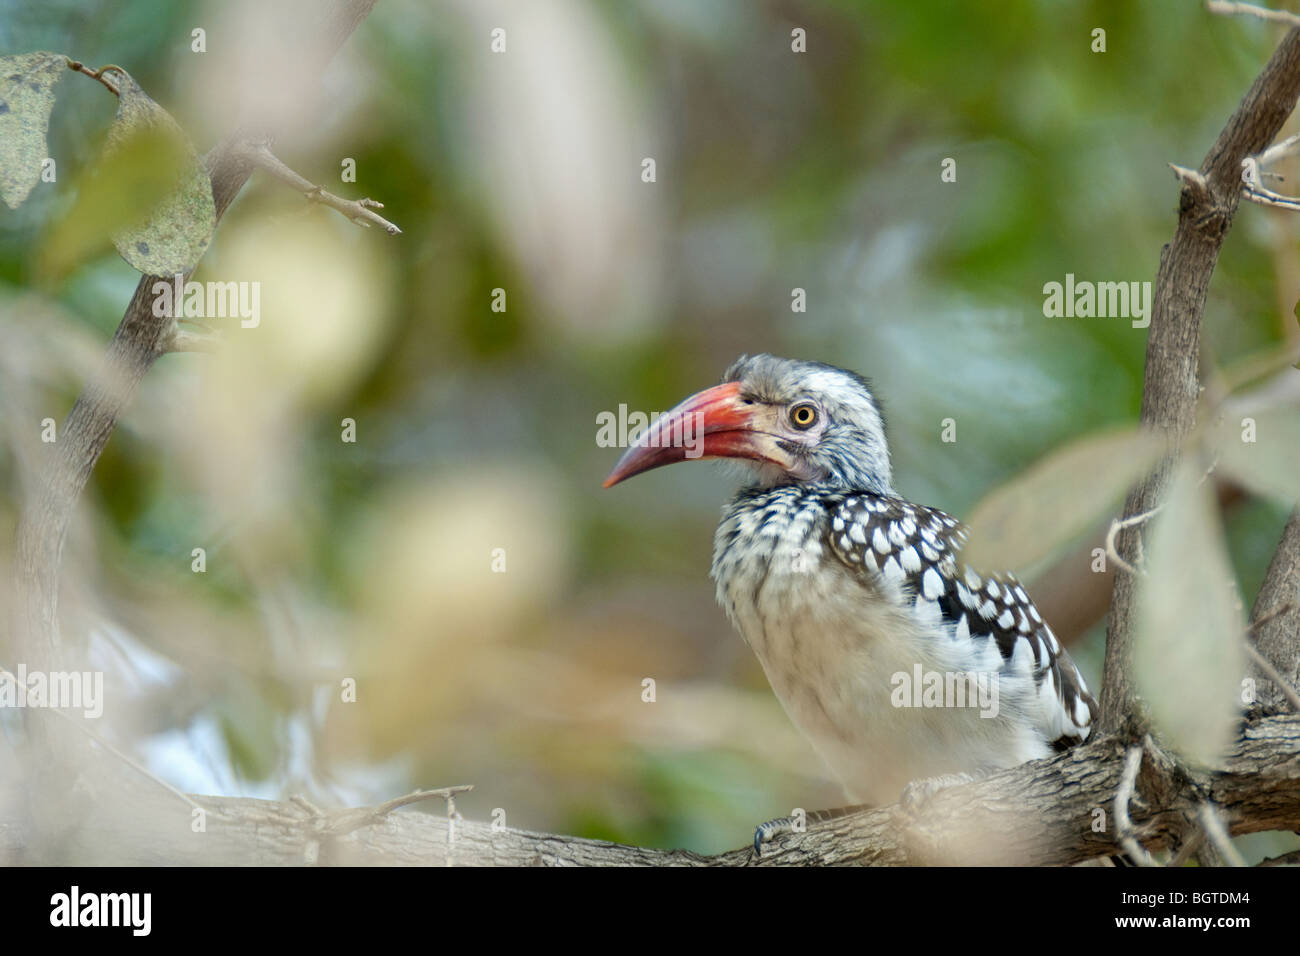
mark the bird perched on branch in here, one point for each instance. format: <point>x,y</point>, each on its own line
<point>851,595</point>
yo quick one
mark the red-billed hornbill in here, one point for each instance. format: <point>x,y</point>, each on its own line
<point>847,592</point>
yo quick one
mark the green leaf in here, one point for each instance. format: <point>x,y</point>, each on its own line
<point>149,195</point>
<point>27,86</point>
<point>175,233</point>
<point>1262,451</point>
<point>1058,498</point>
<point>1188,657</point>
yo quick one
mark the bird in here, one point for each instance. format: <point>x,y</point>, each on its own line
<point>850,595</point>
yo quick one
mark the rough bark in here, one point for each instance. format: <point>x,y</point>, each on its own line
<point>1049,812</point>
<point>1171,387</point>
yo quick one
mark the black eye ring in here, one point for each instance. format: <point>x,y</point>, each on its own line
<point>803,416</point>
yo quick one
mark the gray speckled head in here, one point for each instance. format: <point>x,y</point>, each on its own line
<point>844,446</point>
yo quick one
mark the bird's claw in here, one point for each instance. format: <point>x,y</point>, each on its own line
<point>769,831</point>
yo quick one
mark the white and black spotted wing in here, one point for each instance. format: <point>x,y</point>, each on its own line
<point>914,551</point>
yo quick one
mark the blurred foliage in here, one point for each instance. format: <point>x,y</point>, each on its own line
<point>475,428</point>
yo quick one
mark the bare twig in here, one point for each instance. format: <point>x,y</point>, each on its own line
<point>1214,829</point>
<point>1118,525</point>
<point>1283,147</point>
<point>1253,169</point>
<point>360,211</point>
<point>1123,797</point>
<point>1228,8</point>
<point>1266,197</point>
<point>112,87</point>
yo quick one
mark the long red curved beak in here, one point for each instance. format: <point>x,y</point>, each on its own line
<point>715,423</point>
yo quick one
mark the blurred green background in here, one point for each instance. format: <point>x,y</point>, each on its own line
<point>476,429</point>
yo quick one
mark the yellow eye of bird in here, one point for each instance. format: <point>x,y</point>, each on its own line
<point>803,416</point>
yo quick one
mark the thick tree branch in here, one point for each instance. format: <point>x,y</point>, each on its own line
<point>1208,202</point>
<point>1049,812</point>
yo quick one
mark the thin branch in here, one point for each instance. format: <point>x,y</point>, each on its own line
<point>1118,525</point>
<point>1123,798</point>
<point>1266,197</point>
<point>1253,169</point>
<point>1227,8</point>
<point>112,87</point>
<point>1213,828</point>
<point>360,211</point>
<point>1275,152</point>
